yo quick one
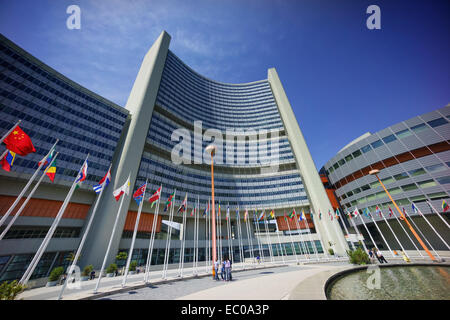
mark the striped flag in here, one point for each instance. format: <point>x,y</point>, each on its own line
<point>228,213</point>
<point>169,202</point>
<point>444,206</point>
<point>8,160</point>
<point>103,182</point>
<point>193,210</point>
<point>48,160</point>
<point>330,215</point>
<point>183,205</point>
<point>155,197</point>
<point>337,213</point>
<point>261,216</point>
<point>292,214</point>
<point>51,171</point>
<point>390,212</point>
<point>139,194</point>
<point>377,210</point>
<point>123,189</point>
<point>83,174</point>
<point>349,214</point>
<point>245,215</point>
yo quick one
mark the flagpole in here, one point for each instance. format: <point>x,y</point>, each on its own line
<point>19,197</point>
<point>152,239</point>
<point>24,203</point>
<point>279,241</point>
<point>302,244</point>
<point>306,227</point>
<point>266,226</point>
<point>184,240</point>
<point>370,235</point>
<point>290,236</point>
<point>395,216</point>
<point>437,212</point>
<point>4,153</point>
<point>337,228</point>
<point>26,276</point>
<point>250,241</point>
<point>348,235</point>
<point>136,226</point>
<point>195,238</point>
<point>9,132</point>
<point>429,243</point>
<point>313,242</point>
<point>255,221</point>
<point>169,235</point>
<point>230,241</point>
<point>390,228</point>
<point>241,249</point>
<point>431,226</point>
<point>196,220</point>
<point>110,240</point>
<point>376,225</point>
<point>359,233</point>
<point>80,247</point>
<point>210,238</point>
<point>207,238</point>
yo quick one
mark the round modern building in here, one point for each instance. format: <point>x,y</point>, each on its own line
<point>413,159</point>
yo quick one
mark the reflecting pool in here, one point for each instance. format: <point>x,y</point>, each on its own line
<point>393,283</point>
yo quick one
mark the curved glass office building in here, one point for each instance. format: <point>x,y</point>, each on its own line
<point>171,115</point>
<point>413,157</point>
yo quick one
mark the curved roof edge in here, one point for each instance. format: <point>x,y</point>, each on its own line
<point>365,135</point>
<point>215,81</point>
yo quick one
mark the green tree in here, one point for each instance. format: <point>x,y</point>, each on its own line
<point>9,291</point>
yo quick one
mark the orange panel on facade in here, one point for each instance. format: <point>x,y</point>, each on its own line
<point>145,222</point>
<point>44,208</point>
<point>332,198</point>
<point>283,226</point>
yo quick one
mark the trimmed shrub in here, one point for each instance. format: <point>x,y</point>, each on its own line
<point>87,270</point>
<point>358,256</point>
<point>111,268</point>
<point>9,291</point>
<point>133,265</point>
<point>56,274</point>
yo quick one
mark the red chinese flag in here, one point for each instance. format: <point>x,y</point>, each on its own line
<point>19,142</point>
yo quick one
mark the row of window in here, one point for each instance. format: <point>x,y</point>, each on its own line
<point>400,135</point>
<point>401,176</point>
<point>7,51</point>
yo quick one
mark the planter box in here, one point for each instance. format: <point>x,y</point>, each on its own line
<point>51,283</point>
<point>110,275</point>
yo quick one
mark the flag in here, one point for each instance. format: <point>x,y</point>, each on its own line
<point>8,160</point>
<point>123,189</point>
<point>103,182</point>
<point>292,214</point>
<point>169,201</point>
<point>206,210</point>
<point>349,214</point>
<point>155,197</point>
<point>404,214</point>
<point>19,142</point>
<point>378,211</point>
<point>218,212</point>
<point>245,215</point>
<point>444,206</point>
<point>48,160</point>
<point>261,216</point>
<point>337,213</point>
<point>193,210</point>
<point>272,215</point>
<point>237,215</point>
<point>414,208</point>
<point>390,212</point>
<point>83,174</point>
<point>228,213</point>
<point>320,215</point>
<point>51,170</point>
<point>302,216</point>
<point>330,215</point>
<point>183,205</point>
<point>366,212</point>
<point>356,212</point>
<point>139,194</point>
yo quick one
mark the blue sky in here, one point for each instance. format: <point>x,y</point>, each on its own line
<point>342,79</point>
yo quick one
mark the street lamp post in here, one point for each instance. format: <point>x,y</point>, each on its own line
<point>375,173</point>
<point>211,149</point>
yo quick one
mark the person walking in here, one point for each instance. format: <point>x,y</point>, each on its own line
<point>216,269</point>
<point>227,269</point>
<point>231,278</point>
<point>222,274</point>
<point>372,256</point>
<point>381,257</point>
<point>92,275</point>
